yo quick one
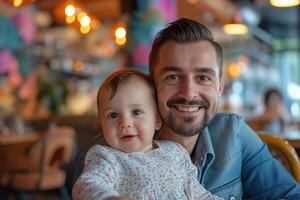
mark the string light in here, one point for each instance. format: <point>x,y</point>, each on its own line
<point>235,29</point>
<point>80,15</point>
<point>18,3</point>
<point>284,3</point>
<point>85,29</point>
<point>69,10</point>
<point>120,32</point>
<point>70,19</point>
<point>85,21</point>
<point>120,41</point>
<point>234,71</point>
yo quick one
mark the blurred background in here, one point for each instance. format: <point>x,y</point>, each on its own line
<point>54,54</point>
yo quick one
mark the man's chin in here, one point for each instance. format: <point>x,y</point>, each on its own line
<point>186,129</point>
<point>186,126</point>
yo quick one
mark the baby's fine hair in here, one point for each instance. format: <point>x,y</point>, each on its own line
<point>117,79</point>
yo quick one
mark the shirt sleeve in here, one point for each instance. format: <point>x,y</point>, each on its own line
<point>262,175</point>
<point>97,179</point>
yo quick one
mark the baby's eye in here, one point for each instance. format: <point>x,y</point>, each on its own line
<point>112,115</point>
<point>137,112</point>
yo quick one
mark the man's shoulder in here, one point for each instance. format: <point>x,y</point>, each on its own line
<point>225,117</point>
<point>225,121</point>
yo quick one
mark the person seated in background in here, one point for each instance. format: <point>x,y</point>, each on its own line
<point>275,117</point>
<point>131,165</point>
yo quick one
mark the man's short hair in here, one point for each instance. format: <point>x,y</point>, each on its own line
<point>183,31</point>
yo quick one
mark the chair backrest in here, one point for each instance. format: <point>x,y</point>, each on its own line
<point>284,152</point>
<point>54,149</point>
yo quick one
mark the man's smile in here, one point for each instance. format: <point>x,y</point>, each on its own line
<point>183,105</point>
<point>187,108</point>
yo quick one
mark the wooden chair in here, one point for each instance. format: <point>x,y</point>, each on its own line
<point>284,152</point>
<point>13,157</point>
<point>46,158</point>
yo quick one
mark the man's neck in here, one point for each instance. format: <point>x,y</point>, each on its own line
<point>188,142</point>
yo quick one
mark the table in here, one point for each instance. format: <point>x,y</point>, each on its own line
<point>14,138</point>
<point>14,149</point>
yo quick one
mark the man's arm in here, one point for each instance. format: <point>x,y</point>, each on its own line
<point>263,176</point>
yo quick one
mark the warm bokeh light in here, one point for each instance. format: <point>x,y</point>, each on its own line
<point>235,29</point>
<point>85,21</point>
<point>120,32</point>
<point>234,70</point>
<point>95,24</point>
<point>120,41</point>
<point>70,19</point>
<point>17,3</point>
<point>69,10</point>
<point>85,29</point>
<point>192,1</point>
<point>80,15</point>
<point>78,65</point>
<point>284,3</point>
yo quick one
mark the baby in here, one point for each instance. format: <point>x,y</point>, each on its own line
<point>132,165</point>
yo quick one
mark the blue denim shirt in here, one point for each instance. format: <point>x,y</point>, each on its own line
<point>234,163</point>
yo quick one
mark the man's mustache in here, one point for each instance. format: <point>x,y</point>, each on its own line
<point>182,101</point>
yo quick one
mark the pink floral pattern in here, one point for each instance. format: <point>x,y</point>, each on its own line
<point>165,172</point>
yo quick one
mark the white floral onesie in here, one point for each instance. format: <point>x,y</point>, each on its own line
<point>164,173</point>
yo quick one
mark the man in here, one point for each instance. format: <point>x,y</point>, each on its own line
<point>233,163</point>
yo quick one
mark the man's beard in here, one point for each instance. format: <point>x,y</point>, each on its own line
<point>185,129</point>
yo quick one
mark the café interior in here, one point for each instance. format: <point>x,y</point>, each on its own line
<point>54,55</point>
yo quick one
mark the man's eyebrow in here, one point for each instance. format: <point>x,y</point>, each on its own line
<point>169,69</point>
<point>199,70</point>
<point>206,70</point>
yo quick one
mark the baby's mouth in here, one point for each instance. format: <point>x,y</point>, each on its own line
<point>127,137</point>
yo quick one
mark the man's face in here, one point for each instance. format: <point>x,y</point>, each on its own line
<point>188,85</point>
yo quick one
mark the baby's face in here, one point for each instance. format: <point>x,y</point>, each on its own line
<point>128,120</point>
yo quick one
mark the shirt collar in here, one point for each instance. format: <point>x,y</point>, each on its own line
<point>204,151</point>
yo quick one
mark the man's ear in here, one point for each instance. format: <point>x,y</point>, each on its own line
<point>158,122</point>
<point>221,86</point>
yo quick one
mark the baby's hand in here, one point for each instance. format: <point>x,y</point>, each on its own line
<point>119,198</point>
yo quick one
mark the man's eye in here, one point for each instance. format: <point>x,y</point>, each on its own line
<point>112,115</point>
<point>172,77</point>
<point>137,112</point>
<point>203,78</point>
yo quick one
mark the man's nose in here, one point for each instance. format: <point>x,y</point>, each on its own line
<point>188,89</point>
<point>125,122</point>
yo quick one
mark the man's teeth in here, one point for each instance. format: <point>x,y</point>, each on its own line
<point>187,108</point>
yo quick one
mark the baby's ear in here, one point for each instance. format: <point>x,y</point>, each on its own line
<point>158,123</point>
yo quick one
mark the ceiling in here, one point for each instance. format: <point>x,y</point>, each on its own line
<point>278,22</point>
<point>217,12</point>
